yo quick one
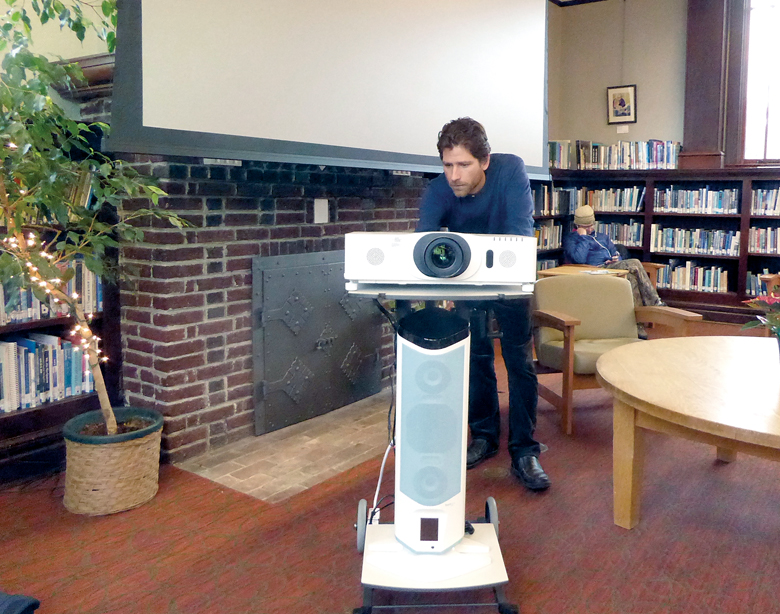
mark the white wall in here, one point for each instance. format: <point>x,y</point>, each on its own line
<point>49,40</point>
<point>617,42</point>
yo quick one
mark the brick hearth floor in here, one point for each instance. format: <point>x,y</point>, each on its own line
<point>277,465</point>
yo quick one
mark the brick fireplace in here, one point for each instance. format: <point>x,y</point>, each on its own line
<point>186,305</point>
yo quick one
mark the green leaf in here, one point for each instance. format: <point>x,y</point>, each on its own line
<point>107,8</point>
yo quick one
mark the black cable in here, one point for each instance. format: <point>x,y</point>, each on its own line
<point>390,317</point>
<point>391,410</point>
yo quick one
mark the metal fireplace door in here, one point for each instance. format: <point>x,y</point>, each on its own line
<point>315,348</point>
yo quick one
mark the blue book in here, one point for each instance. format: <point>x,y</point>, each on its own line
<point>77,370</point>
<point>37,396</point>
<point>24,376</point>
<point>67,356</point>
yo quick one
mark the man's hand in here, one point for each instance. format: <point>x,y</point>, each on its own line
<point>581,231</point>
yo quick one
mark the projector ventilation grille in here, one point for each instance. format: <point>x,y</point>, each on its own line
<point>375,256</point>
<point>507,259</point>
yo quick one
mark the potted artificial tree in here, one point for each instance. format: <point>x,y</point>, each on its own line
<point>60,203</point>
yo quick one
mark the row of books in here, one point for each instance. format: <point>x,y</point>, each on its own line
<point>607,200</point>
<point>548,202</point>
<point>623,155</point>
<point>547,263</point>
<point>21,305</point>
<point>37,368</point>
<point>764,241</point>
<point>703,200</point>
<point>548,235</point>
<point>694,241</point>
<point>765,202</point>
<point>754,286</point>
<point>626,234</point>
<point>692,276</point>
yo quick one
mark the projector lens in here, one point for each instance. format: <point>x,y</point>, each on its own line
<point>442,254</point>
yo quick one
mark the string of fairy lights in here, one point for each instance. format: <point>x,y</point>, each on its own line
<point>55,288</point>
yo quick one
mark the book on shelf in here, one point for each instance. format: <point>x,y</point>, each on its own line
<point>765,201</point>
<point>625,155</point>
<point>754,286</point>
<point>629,234</point>
<point>764,241</point>
<point>560,154</point>
<point>55,361</point>
<point>701,201</point>
<point>26,377</point>
<point>548,234</point>
<point>10,376</point>
<point>546,263</point>
<point>690,275</point>
<point>44,368</point>
<point>541,196</point>
<point>694,241</point>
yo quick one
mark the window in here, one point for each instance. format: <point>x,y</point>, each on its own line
<point>762,113</point>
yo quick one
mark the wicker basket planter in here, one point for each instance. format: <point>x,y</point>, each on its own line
<point>105,474</point>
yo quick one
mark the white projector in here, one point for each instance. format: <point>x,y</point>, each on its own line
<point>447,258</point>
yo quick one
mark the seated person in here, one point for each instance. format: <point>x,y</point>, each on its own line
<point>586,246</point>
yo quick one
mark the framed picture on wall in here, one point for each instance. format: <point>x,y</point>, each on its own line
<point>621,104</point>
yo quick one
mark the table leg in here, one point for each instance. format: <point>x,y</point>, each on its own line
<point>627,465</point>
<point>725,455</point>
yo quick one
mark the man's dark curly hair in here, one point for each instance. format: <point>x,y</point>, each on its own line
<point>467,133</point>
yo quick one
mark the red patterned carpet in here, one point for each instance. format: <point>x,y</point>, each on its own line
<point>708,542</point>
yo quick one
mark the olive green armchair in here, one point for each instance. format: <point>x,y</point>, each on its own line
<point>579,317</point>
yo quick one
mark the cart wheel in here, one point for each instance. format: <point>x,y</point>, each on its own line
<point>362,520</point>
<point>491,513</point>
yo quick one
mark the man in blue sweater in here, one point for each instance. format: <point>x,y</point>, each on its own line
<point>490,194</point>
<point>586,246</point>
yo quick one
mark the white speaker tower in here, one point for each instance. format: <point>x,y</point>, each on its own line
<point>428,546</point>
<point>431,430</point>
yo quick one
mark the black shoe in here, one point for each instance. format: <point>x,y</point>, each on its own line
<point>530,472</point>
<point>479,450</point>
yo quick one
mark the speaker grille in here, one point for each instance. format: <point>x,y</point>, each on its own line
<point>432,377</point>
<point>507,259</point>
<point>430,484</point>
<point>375,256</point>
<point>431,404</point>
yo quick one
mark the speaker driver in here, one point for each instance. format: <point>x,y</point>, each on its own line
<point>432,377</point>
<point>507,259</point>
<point>375,256</point>
<point>430,484</point>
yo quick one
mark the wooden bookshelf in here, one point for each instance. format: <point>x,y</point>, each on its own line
<point>723,306</point>
<point>31,439</point>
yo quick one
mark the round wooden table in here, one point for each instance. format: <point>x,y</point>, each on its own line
<point>719,390</point>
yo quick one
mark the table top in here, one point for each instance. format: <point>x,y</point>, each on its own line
<point>570,269</point>
<point>726,386</point>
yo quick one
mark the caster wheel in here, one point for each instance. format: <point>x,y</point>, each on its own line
<point>491,513</point>
<point>362,521</point>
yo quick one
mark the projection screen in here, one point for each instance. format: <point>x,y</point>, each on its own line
<point>339,82</point>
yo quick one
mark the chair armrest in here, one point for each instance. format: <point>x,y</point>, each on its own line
<point>555,319</point>
<point>668,316</point>
<point>652,268</point>
<point>771,281</point>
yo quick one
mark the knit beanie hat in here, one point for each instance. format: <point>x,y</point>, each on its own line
<point>584,216</point>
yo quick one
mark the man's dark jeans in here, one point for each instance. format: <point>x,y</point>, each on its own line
<point>514,321</point>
